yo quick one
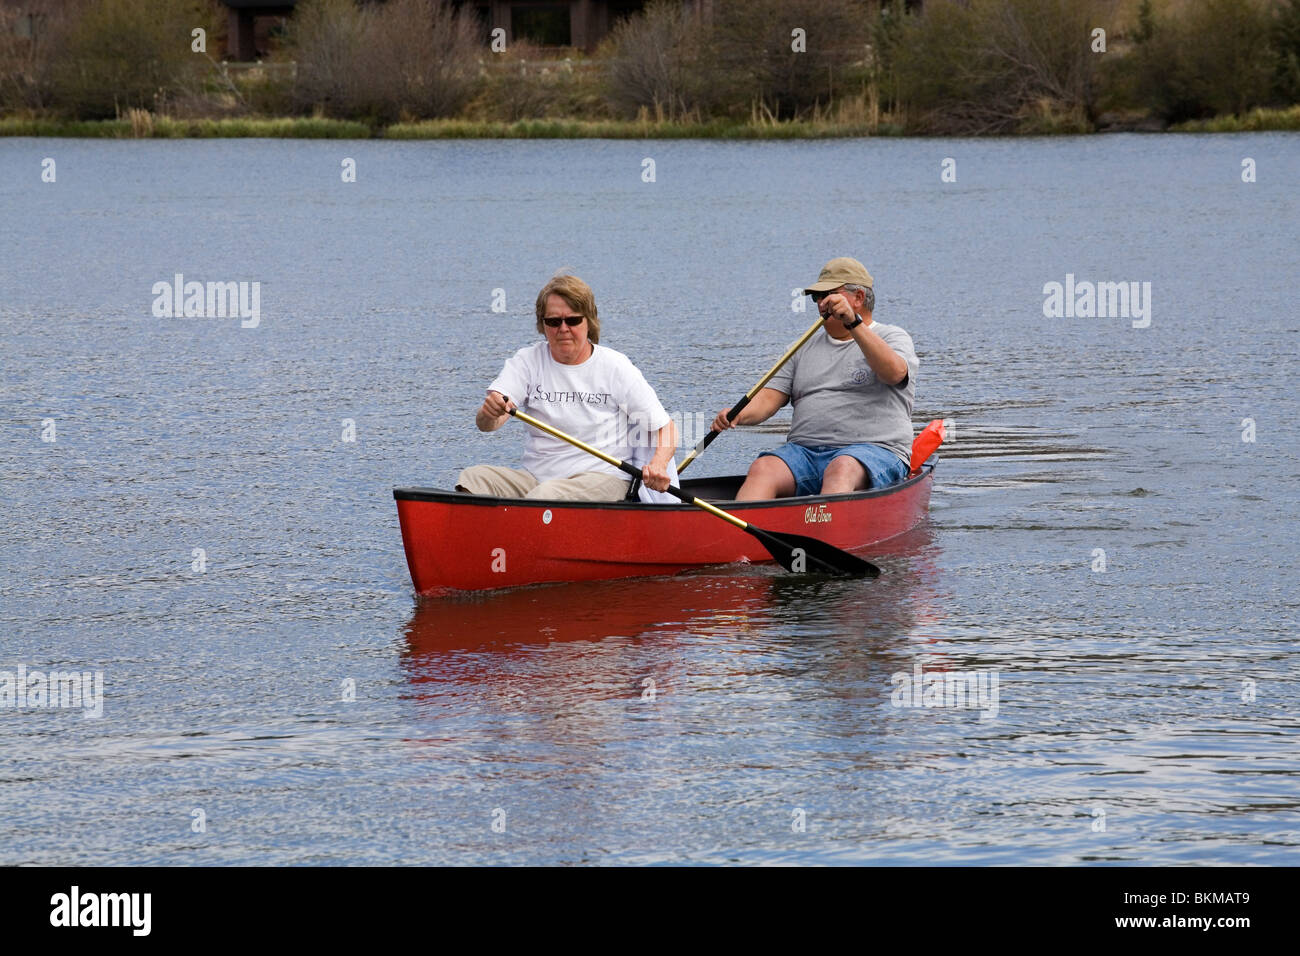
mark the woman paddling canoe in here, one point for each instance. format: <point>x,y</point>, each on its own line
<point>578,386</point>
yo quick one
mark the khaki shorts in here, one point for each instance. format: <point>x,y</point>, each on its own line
<point>517,483</point>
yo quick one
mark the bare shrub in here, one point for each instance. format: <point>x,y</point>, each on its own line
<point>404,59</point>
<point>326,37</point>
<point>741,61</point>
<point>26,53</point>
<point>650,60</point>
<point>422,55</point>
<point>752,61</point>
<point>998,66</point>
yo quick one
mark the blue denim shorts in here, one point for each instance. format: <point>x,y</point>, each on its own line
<point>808,464</point>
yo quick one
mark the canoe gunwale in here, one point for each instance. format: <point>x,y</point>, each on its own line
<point>491,501</point>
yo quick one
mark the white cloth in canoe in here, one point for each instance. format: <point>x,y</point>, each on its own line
<point>641,457</point>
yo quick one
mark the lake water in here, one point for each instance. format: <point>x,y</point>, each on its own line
<point>1112,532</point>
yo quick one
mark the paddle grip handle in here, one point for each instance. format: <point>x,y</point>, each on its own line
<point>731,417</point>
<point>737,409</point>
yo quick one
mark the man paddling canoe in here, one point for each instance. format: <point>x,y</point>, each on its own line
<point>592,392</point>
<point>852,388</point>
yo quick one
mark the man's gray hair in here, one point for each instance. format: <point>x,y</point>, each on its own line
<point>870,303</point>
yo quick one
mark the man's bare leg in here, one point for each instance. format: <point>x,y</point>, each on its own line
<point>769,477</point>
<point>844,474</point>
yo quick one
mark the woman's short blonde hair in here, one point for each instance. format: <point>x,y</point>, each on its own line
<point>579,297</point>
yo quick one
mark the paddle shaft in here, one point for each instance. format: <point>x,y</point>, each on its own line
<point>736,409</point>
<point>629,469</point>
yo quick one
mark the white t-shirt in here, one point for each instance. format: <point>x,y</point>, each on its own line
<point>605,401</point>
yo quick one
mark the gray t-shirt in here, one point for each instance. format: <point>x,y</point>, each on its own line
<point>839,401</point>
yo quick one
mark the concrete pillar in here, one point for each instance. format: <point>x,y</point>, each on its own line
<point>598,27</point>
<point>240,44</point>
<point>580,25</point>
<point>499,16</point>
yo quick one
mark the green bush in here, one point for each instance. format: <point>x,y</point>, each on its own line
<point>886,32</point>
<point>109,56</point>
<point>266,89</point>
<point>524,83</point>
<point>1286,45</point>
<point>1211,57</point>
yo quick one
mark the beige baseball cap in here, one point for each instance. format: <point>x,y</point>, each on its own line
<point>839,272</point>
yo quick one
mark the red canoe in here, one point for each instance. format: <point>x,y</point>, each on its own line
<point>461,542</point>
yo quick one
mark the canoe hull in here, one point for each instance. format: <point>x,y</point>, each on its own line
<point>461,542</point>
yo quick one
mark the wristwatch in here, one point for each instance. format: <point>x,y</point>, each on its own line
<point>855,323</point>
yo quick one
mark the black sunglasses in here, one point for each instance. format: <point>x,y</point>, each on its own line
<point>569,320</point>
<point>818,296</point>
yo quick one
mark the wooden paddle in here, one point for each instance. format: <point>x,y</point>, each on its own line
<point>736,409</point>
<point>794,552</point>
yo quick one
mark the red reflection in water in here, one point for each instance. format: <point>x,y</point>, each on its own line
<point>556,649</point>
<point>514,623</point>
<point>584,611</point>
<point>575,661</point>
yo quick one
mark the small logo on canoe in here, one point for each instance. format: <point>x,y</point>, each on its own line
<point>816,514</point>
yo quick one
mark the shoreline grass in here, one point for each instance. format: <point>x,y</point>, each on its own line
<point>141,125</point>
<point>630,129</point>
<point>1260,120</point>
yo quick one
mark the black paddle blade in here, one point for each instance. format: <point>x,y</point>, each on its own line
<point>803,555</point>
